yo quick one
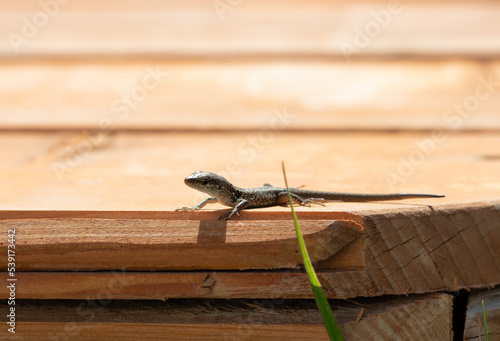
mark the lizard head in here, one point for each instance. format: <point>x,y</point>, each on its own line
<point>210,183</point>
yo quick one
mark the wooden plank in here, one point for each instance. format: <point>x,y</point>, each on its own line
<point>200,28</point>
<point>474,325</point>
<point>174,243</point>
<point>402,318</point>
<point>248,95</point>
<point>145,171</point>
<point>404,252</point>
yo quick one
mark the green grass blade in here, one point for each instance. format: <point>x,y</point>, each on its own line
<point>319,296</point>
<point>484,318</point>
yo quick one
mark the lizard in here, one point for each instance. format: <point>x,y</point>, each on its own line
<point>224,192</point>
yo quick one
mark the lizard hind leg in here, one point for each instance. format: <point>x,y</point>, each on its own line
<point>301,201</point>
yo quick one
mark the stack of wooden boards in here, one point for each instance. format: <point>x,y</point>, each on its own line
<point>104,112</point>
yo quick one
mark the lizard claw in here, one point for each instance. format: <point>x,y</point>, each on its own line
<point>227,215</point>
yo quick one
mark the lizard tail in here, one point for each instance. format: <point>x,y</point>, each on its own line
<point>353,197</point>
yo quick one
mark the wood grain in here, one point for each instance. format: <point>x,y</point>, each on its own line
<point>264,95</point>
<point>428,316</point>
<point>145,171</point>
<point>257,28</point>
<point>474,323</point>
<point>404,252</point>
<point>173,244</point>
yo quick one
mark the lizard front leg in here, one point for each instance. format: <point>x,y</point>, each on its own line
<point>242,203</point>
<point>199,206</point>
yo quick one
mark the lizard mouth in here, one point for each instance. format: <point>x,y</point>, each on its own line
<point>190,182</point>
<point>197,180</point>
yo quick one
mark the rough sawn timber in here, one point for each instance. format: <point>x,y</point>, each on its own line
<point>401,252</point>
<point>474,323</point>
<point>425,317</point>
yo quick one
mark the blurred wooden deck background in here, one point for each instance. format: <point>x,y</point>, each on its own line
<point>106,106</point>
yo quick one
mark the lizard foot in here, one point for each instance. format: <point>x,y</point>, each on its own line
<point>228,215</point>
<point>316,201</point>
<point>187,209</point>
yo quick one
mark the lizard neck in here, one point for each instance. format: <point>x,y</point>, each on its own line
<point>226,193</point>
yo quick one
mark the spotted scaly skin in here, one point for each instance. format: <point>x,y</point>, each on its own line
<point>222,191</point>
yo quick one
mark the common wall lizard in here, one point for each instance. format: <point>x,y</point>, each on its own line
<point>226,193</point>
